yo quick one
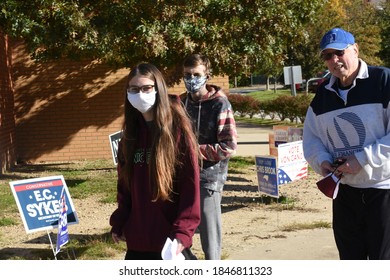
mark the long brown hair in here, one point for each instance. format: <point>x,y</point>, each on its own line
<point>170,126</point>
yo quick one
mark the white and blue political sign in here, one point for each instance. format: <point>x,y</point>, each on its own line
<point>62,236</point>
<point>292,164</point>
<point>266,168</point>
<point>114,142</point>
<point>38,201</point>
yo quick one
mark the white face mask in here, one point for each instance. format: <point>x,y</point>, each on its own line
<point>143,102</point>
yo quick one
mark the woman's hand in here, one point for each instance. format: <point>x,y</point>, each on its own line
<point>180,247</point>
<point>117,238</point>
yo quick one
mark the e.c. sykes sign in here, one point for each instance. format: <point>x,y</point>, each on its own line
<point>38,201</point>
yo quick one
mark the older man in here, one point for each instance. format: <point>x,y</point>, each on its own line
<point>348,122</point>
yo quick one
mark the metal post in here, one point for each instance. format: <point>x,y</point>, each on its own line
<point>293,89</point>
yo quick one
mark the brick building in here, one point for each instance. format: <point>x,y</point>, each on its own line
<point>66,110</point>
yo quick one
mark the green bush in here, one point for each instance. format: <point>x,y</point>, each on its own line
<point>244,104</point>
<point>301,103</point>
<point>269,108</point>
<point>285,107</point>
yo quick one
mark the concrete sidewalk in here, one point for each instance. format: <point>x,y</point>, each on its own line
<point>316,244</point>
<point>252,140</point>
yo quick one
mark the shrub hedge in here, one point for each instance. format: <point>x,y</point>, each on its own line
<point>285,107</point>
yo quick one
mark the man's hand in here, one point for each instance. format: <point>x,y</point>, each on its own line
<point>351,165</point>
<point>326,168</point>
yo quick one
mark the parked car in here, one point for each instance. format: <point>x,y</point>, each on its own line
<point>314,83</point>
<point>298,87</point>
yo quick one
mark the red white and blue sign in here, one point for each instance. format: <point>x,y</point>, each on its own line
<point>39,202</point>
<point>292,164</point>
<point>288,166</point>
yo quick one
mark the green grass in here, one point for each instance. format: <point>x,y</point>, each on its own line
<point>83,178</point>
<point>266,95</point>
<point>7,222</point>
<point>303,226</point>
<point>262,122</point>
<point>95,247</point>
<point>6,199</point>
<point>239,163</point>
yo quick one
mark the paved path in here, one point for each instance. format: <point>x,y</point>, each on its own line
<point>252,140</point>
<point>315,244</point>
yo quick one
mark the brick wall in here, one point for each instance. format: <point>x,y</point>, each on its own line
<point>7,121</point>
<point>66,110</point>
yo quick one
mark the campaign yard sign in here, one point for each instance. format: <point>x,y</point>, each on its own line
<point>39,202</point>
<point>114,142</point>
<point>266,168</point>
<point>288,166</point>
<point>292,165</point>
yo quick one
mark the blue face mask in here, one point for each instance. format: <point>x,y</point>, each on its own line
<point>194,84</point>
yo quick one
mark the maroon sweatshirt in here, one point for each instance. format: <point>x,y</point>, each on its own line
<point>147,224</point>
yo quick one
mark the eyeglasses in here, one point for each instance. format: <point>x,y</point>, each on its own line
<point>143,89</point>
<point>329,55</point>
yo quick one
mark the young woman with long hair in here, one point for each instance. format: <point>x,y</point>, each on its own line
<point>158,170</point>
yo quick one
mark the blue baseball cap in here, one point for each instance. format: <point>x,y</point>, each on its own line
<point>337,39</point>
